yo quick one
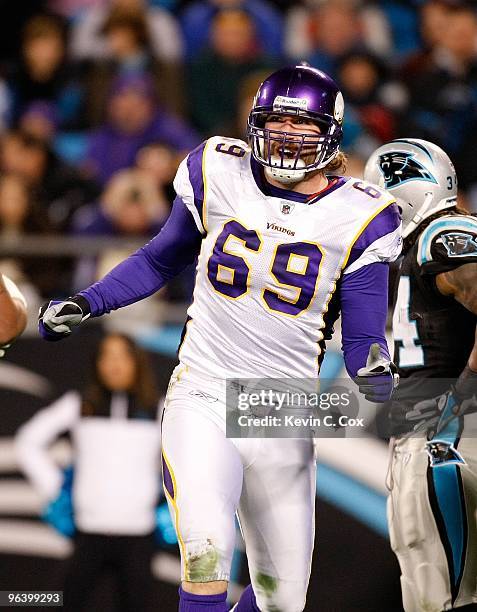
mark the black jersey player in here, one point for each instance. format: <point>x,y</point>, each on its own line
<point>432,509</point>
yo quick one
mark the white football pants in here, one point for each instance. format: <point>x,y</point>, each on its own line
<point>432,517</point>
<point>208,477</point>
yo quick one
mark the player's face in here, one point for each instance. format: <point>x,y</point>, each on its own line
<point>116,365</point>
<point>293,124</point>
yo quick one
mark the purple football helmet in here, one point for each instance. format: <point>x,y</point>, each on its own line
<point>306,92</point>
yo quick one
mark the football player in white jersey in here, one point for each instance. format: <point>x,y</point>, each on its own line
<point>432,508</point>
<point>282,247</point>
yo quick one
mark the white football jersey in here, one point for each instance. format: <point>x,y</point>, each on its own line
<point>270,260</point>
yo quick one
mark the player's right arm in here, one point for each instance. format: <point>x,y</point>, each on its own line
<point>149,268</point>
<point>137,277</point>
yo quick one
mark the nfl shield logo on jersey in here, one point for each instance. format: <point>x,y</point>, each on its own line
<point>287,207</point>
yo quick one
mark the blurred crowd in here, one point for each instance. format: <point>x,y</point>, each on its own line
<point>101,99</point>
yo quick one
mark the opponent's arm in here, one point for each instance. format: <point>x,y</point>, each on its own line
<point>461,284</point>
<point>431,414</point>
<point>140,275</point>
<point>13,316</point>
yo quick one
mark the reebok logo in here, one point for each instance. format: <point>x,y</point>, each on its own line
<point>284,101</point>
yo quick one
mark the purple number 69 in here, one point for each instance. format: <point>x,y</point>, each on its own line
<point>296,267</point>
<point>295,270</point>
<point>229,273</point>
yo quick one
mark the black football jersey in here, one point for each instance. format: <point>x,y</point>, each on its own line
<point>433,334</point>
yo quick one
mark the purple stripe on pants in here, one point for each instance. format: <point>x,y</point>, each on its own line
<point>168,482</point>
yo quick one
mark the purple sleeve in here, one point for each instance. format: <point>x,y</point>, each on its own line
<point>150,267</point>
<point>364,308</point>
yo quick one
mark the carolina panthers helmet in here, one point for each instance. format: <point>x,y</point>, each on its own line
<point>306,92</point>
<point>419,174</point>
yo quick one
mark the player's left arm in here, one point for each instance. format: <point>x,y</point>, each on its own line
<point>13,315</point>
<point>364,305</point>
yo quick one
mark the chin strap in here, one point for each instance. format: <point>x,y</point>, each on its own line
<point>419,216</point>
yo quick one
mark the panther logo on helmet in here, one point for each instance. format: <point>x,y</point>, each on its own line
<point>459,244</point>
<point>399,167</point>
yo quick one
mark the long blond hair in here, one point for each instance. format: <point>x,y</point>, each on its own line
<point>337,165</point>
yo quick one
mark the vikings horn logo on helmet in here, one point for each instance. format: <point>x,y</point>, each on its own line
<point>399,167</point>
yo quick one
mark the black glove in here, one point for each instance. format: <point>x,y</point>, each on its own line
<point>435,414</point>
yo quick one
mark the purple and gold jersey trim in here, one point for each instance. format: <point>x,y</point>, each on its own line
<point>363,229</point>
<point>196,168</point>
<point>386,221</point>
